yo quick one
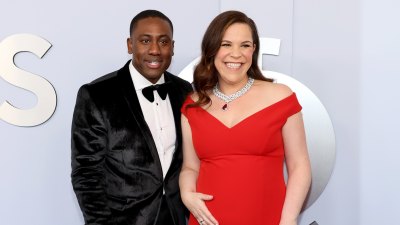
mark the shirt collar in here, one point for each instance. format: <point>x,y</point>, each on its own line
<point>139,80</point>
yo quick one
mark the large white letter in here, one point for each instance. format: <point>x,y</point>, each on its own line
<point>44,91</point>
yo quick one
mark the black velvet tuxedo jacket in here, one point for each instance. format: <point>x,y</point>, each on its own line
<point>116,171</point>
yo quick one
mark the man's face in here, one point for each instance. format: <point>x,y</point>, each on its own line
<point>152,47</point>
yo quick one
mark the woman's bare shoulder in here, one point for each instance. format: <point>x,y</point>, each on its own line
<point>194,96</point>
<point>276,88</point>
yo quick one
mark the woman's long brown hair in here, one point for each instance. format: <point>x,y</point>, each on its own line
<point>205,75</point>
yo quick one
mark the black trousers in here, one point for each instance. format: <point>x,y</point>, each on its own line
<point>164,216</point>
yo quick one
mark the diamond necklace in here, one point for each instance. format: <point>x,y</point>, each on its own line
<point>229,98</point>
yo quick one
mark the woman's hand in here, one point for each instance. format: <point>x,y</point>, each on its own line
<point>195,202</point>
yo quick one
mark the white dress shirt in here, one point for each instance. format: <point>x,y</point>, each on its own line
<point>159,117</point>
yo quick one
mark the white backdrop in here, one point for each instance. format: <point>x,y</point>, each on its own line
<point>346,52</point>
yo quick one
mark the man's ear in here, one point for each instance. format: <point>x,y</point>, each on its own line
<point>173,45</point>
<point>129,45</point>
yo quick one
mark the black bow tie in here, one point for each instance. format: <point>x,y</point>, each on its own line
<point>162,90</point>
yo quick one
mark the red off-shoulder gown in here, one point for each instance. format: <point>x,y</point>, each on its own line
<point>242,166</point>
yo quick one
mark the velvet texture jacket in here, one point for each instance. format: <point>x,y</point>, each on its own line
<point>116,171</point>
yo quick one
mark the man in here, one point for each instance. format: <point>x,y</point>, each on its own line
<point>126,149</point>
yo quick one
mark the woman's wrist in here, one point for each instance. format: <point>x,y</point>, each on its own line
<point>288,221</point>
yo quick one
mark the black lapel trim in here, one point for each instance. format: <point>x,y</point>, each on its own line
<point>131,98</point>
<point>176,99</point>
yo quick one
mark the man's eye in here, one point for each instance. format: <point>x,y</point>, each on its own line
<point>145,41</point>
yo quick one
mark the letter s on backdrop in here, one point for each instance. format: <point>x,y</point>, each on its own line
<point>44,91</point>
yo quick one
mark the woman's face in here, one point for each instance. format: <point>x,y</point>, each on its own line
<point>234,56</point>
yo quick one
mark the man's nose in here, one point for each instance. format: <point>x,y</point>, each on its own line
<point>154,48</point>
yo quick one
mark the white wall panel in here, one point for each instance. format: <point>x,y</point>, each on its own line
<point>380,107</point>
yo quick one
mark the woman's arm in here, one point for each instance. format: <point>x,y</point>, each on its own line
<point>193,200</point>
<point>298,168</point>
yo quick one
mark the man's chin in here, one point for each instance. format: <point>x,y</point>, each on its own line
<point>151,76</point>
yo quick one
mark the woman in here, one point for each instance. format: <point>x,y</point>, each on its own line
<point>238,129</point>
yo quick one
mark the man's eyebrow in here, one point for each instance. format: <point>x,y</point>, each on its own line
<point>159,36</point>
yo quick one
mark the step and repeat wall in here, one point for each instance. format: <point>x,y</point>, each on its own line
<point>49,49</point>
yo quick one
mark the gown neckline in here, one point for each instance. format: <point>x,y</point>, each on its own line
<point>245,118</point>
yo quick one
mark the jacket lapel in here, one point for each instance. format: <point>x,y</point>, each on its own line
<point>131,98</point>
<point>176,99</point>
